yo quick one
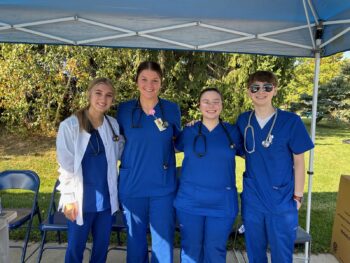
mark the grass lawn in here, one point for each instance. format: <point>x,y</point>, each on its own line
<point>37,153</point>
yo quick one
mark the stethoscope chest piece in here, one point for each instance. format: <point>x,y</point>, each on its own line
<point>265,143</point>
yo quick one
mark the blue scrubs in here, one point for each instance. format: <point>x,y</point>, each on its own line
<point>269,212</point>
<point>206,202</point>
<point>147,179</point>
<point>96,206</point>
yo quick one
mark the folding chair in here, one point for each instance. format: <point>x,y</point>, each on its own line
<point>56,222</point>
<point>118,227</point>
<point>24,180</point>
<point>302,238</point>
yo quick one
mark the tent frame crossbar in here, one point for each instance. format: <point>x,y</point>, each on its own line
<point>125,33</point>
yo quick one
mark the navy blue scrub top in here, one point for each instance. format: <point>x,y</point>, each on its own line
<point>208,183</point>
<point>268,182</point>
<point>147,149</point>
<point>95,185</point>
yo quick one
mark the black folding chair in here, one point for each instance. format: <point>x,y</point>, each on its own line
<point>23,180</point>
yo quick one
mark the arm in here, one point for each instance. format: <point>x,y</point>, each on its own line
<point>299,174</point>
<point>65,157</point>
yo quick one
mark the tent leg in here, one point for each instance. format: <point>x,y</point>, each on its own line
<point>312,151</point>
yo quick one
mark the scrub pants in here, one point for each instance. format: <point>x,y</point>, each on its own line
<point>203,238</point>
<point>158,212</point>
<point>277,230</point>
<point>100,224</point>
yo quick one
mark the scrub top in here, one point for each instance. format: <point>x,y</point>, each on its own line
<point>208,183</point>
<point>94,164</point>
<point>268,182</point>
<point>147,150</point>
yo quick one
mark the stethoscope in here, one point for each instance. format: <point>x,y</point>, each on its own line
<point>164,124</point>
<point>138,107</point>
<point>201,136</point>
<point>115,136</point>
<point>265,143</point>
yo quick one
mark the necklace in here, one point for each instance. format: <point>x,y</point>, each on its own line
<point>96,152</point>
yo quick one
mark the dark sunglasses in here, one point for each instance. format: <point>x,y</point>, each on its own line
<point>254,88</point>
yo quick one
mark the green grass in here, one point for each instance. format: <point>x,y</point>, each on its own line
<point>37,153</point>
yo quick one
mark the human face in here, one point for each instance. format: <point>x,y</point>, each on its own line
<point>262,97</point>
<point>210,105</point>
<point>101,98</point>
<point>148,83</point>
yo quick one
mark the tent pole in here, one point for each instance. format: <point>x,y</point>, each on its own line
<point>312,151</point>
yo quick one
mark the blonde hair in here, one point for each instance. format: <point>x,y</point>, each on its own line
<point>84,122</point>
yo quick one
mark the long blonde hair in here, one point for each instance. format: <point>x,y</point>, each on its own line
<point>84,122</point>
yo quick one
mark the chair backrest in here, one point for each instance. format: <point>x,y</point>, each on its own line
<point>52,206</point>
<point>19,179</point>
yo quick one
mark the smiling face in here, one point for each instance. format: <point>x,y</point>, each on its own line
<point>100,98</point>
<point>262,97</point>
<point>148,83</point>
<point>210,105</point>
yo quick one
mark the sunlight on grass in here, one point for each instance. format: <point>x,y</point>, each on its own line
<point>331,160</point>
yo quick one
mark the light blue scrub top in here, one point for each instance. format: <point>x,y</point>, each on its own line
<point>268,182</point>
<point>147,149</point>
<point>208,183</point>
<point>94,164</point>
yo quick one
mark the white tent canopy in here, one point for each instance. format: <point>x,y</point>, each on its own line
<point>276,27</point>
<point>303,28</point>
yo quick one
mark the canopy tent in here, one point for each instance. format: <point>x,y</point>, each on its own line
<point>276,27</point>
<point>304,28</point>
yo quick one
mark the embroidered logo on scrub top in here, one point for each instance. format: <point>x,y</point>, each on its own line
<point>158,121</point>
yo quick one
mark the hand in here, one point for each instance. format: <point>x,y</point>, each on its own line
<point>191,123</point>
<point>71,211</point>
<point>298,203</point>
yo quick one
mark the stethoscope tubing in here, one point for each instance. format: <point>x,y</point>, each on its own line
<point>204,138</point>
<point>266,143</point>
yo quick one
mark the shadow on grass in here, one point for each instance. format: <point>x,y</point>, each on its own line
<point>34,145</point>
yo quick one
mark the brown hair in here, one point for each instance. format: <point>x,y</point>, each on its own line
<point>150,65</point>
<point>84,122</point>
<point>210,89</point>
<point>263,76</point>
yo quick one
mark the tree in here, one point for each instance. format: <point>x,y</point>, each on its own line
<point>333,97</point>
<point>302,82</point>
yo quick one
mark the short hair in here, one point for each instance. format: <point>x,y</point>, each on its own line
<point>263,76</point>
<point>150,65</point>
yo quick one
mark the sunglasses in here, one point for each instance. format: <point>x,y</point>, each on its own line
<point>254,88</point>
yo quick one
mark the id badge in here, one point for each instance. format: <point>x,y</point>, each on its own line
<point>159,124</point>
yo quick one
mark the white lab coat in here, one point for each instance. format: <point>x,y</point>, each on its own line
<point>71,144</point>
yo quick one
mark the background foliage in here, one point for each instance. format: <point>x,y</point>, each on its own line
<point>41,85</point>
